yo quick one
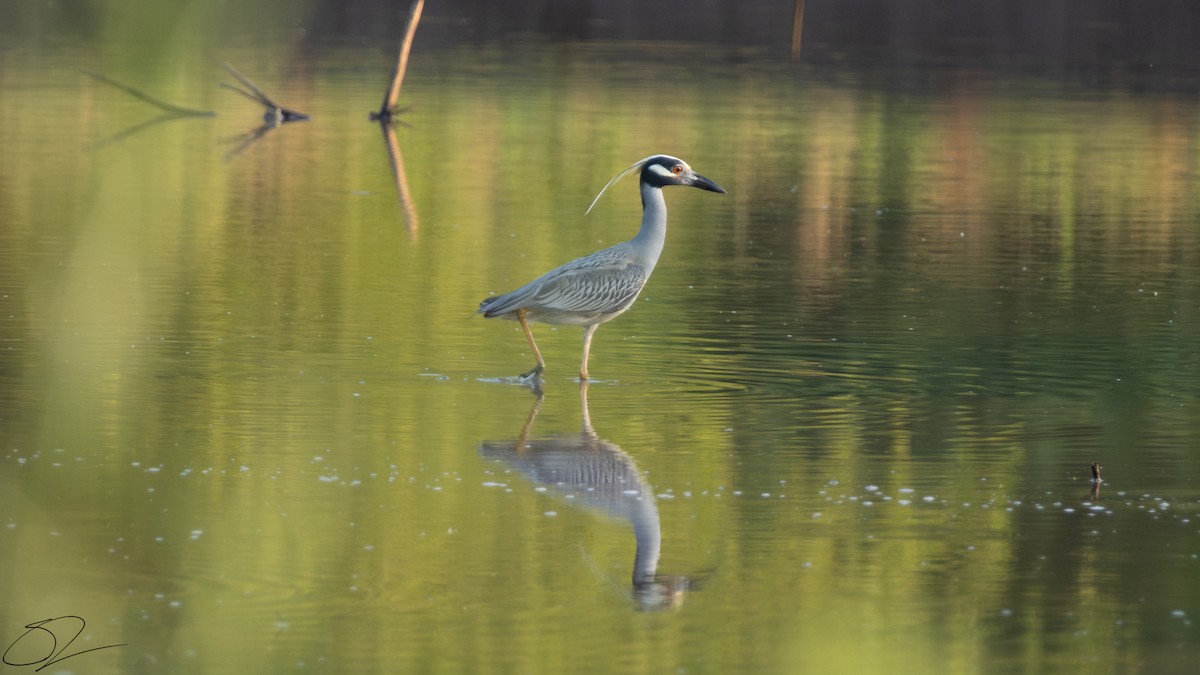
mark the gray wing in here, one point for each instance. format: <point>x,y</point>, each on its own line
<point>600,290</point>
<point>603,282</point>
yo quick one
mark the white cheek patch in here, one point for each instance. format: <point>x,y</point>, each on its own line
<point>660,170</point>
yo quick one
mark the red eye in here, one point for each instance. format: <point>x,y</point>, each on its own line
<point>677,169</point>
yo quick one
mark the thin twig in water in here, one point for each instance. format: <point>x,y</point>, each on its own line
<point>389,109</point>
<point>170,112</point>
<point>797,29</point>
<point>276,114</point>
<point>147,98</point>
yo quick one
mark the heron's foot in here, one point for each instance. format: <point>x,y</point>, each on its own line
<point>535,373</point>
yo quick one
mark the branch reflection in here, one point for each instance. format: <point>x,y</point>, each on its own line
<point>589,472</point>
<point>243,141</point>
<point>398,174</point>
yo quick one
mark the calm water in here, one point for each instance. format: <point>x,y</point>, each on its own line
<point>249,423</point>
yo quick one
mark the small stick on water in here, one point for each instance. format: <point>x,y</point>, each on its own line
<point>1096,473</point>
<point>147,98</point>
<point>388,109</point>
<point>797,29</point>
<point>275,112</point>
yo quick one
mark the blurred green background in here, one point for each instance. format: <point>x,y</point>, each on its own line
<point>244,398</point>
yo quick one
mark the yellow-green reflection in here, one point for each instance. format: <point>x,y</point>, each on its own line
<point>243,396</point>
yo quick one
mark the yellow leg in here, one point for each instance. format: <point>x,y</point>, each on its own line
<point>587,347</point>
<point>541,365</point>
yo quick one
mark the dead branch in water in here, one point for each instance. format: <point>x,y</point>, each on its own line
<point>170,109</point>
<point>389,109</point>
<point>797,29</point>
<point>275,114</point>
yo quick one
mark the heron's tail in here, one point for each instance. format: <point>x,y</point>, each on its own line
<point>483,306</point>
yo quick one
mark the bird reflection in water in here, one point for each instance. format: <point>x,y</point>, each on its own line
<point>601,477</point>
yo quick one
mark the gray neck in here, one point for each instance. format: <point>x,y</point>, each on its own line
<point>648,536</point>
<point>648,243</point>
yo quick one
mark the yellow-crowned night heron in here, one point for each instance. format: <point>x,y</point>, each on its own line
<point>596,288</point>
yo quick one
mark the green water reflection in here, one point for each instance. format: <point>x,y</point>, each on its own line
<point>245,403</point>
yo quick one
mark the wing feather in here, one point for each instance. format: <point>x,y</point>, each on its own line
<point>602,283</point>
<point>592,290</point>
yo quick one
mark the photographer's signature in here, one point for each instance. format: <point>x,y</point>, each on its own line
<point>32,649</point>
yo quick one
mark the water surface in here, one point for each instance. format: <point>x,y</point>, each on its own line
<point>249,422</point>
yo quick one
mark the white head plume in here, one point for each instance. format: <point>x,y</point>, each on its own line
<point>636,166</point>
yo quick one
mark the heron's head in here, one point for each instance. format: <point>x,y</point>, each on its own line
<point>663,170</point>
